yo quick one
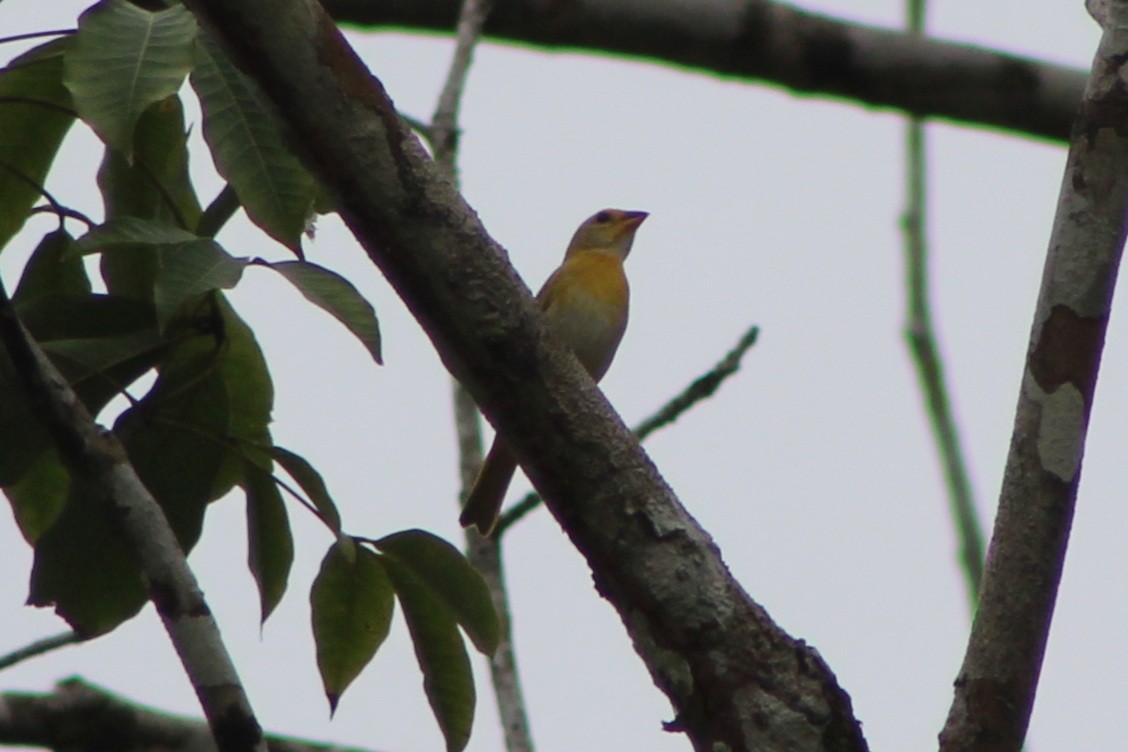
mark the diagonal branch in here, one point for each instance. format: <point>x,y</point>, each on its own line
<point>735,679</point>
<point>996,685</point>
<point>94,456</point>
<point>778,44</point>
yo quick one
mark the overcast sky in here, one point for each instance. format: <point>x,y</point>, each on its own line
<point>813,468</point>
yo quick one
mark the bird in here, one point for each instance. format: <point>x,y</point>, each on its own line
<point>585,303</point>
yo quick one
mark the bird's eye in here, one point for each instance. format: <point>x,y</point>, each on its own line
<point>603,216</point>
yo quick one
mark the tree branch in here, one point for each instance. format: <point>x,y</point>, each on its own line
<point>778,44</point>
<point>735,679</point>
<point>39,647</point>
<point>94,456</point>
<point>82,717</point>
<point>996,685</point>
<point>703,387</point>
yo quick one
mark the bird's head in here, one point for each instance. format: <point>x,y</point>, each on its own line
<point>610,231</point>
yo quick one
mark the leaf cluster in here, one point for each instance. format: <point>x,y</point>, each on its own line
<point>151,315</point>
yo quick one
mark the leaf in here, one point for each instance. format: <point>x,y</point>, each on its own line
<point>447,679</point>
<point>23,439</point>
<point>174,436</point>
<point>452,579</point>
<point>100,343</point>
<point>338,297</point>
<point>155,186</point>
<point>52,269</point>
<point>270,549</point>
<point>312,483</point>
<point>186,266</point>
<point>55,318</point>
<point>105,359</point>
<point>188,270</point>
<point>249,151</point>
<point>351,603</point>
<point>245,377</point>
<point>131,232</point>
<point>35,115</point>
<point>39,496</point>
<point>82,568</point>
<point>155,183</point>
<point>123,60</point>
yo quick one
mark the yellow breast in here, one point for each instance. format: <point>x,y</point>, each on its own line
<point>586,304</point>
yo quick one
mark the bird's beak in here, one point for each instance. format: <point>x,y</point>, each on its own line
<point>633,219</point>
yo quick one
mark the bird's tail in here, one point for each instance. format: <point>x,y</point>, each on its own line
<point>484,502</point>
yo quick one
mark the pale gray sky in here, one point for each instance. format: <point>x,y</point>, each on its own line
<point>813,468</point>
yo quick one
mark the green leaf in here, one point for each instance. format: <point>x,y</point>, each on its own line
<point>270,550</point>
<point>132,232</point>
<point>186,266</point>
<point>249,150</point>
<point>156,183</point>
<point>337,296</point>
<point>351,603</point>
<point>312,483</point>
<point>113,361</point>
<point>184,437</point>
<point>23,439</point>
<point>82,568</point>
<point>35,113</point>
<point>91,323</point>
<point>100,343</point>
<point>39,496</point>
<point>174,436</point>
<point>447,679</point>
<point>155,186</point>
<point>52,269</point>
<point>123,60</point>
<point>246,378</point>
<point>452,579</point>
<point>189,270</point>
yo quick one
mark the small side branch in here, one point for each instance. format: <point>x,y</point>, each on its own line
<point>703,386</point>
<point>920,334</point>
<point>39,647</point>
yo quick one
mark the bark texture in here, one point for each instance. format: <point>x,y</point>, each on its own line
<point>736,680</point>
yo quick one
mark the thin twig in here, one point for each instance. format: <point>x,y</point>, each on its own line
<point>483,553</point>
<point>95,457</point>
<point>66,212</point>
<point>703,386</point>
<point>57,209</point>
<point>920,334</point>
<point>37,35</point>
<point>444,123</point>
<point>39,647</point>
